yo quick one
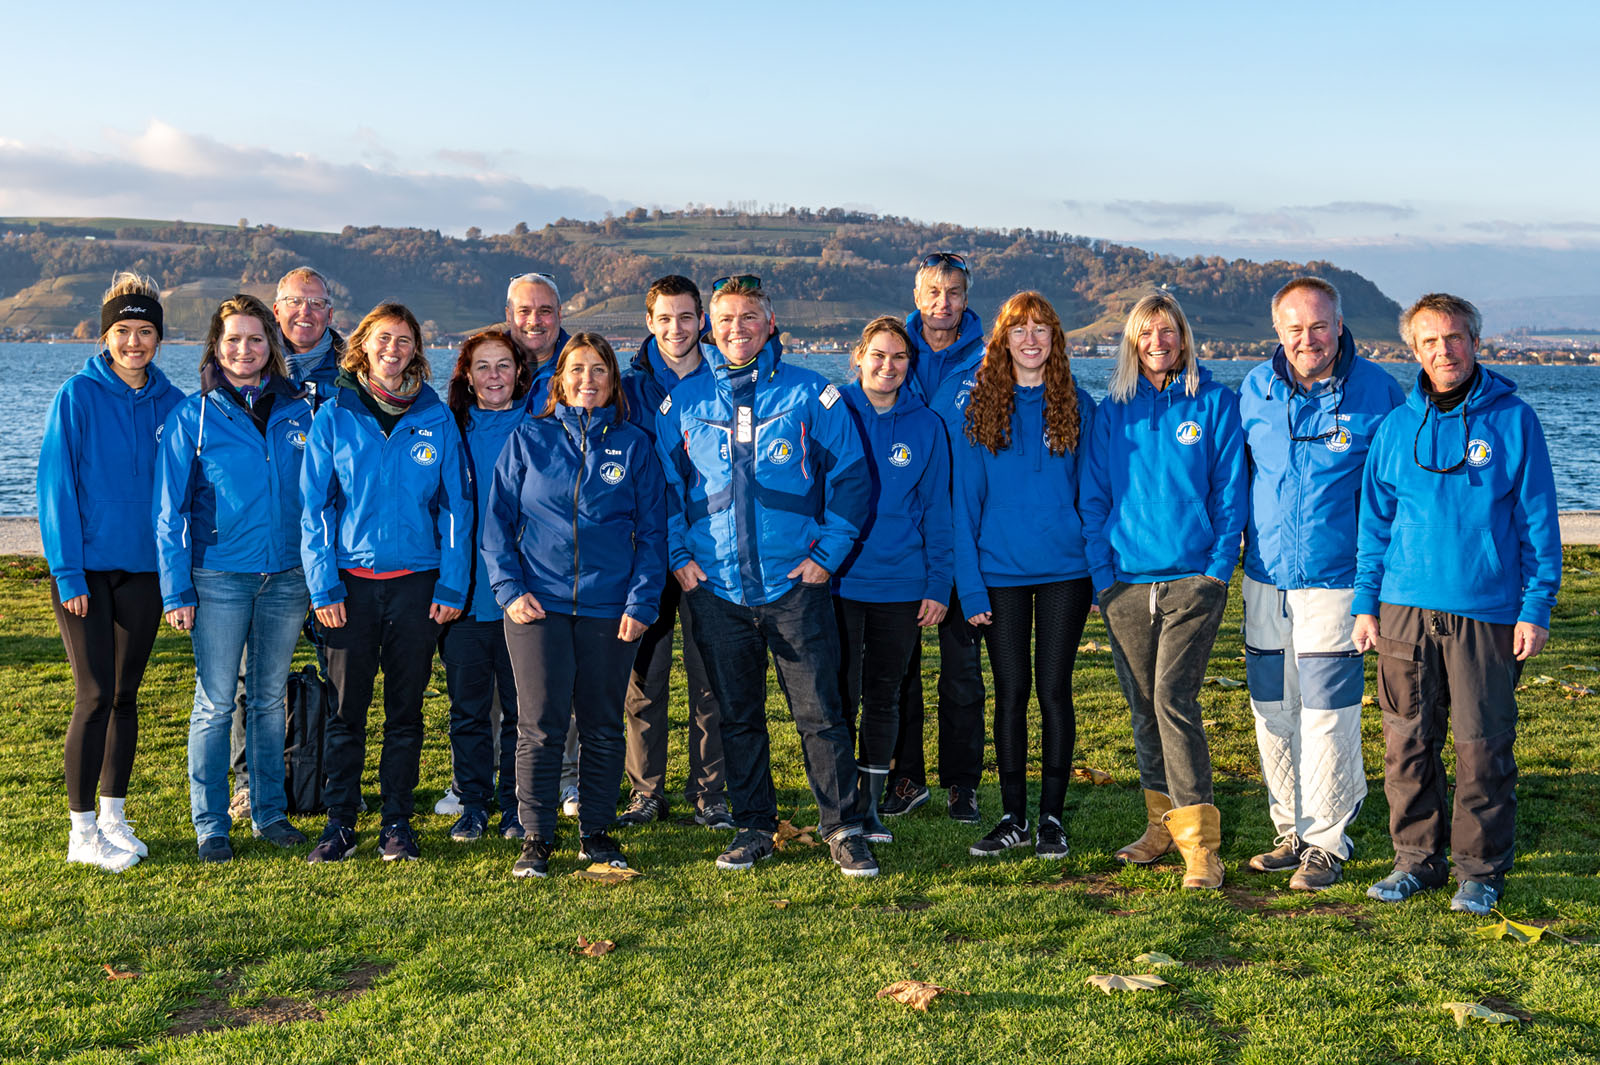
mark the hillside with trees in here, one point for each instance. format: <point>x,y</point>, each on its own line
<point>828,271</point>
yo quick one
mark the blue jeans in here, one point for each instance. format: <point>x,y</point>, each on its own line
<point>800,632</point>
<point>261,611</point>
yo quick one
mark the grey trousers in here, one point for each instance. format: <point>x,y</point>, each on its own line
<point>1439,671</point>
<point>1161,637</point>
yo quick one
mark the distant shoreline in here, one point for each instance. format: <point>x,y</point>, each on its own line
<point>20,536</point>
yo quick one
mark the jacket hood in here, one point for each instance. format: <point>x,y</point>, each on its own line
<point>98,369</point>
<point>1490,389</point>
<point>1341,363</point>
<point>905,402</point>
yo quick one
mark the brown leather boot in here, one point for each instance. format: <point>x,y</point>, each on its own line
<point>1156,841</point>
<point>1197,830</point>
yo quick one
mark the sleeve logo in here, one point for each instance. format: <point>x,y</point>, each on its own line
<point>829,397</point>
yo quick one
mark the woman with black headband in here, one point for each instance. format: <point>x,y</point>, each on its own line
<point>96,480</point>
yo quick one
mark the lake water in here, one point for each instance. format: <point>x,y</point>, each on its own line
<point>1566,398</point>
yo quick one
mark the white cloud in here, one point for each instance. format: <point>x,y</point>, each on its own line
<point>164,172</point>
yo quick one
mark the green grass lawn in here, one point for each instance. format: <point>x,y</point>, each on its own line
<point>451,960</point>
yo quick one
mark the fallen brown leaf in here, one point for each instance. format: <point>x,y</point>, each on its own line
<point>780,904</point>
<point>595,948</point>
<point>118,974</point>
<point>1465,1010</point>
<point>788,834</point>
<point>602,873</point>
<point>1109,982</point>
<point>1092,775</point>
<point>916,993</point>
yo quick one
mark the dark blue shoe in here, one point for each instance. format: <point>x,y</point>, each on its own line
<point>471,825</point>
<point>397,843</point>
<point>511,826</point>
<point>338,842</point>
<point>216,849</point>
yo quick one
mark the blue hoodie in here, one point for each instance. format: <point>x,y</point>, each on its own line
<point>764,470</point>
<point>1166,496</point>
<point>1482,541</point>
<point>1305,495</point>
<point>905,552</point>
<point>1016,513</point>
<point>399,502</point>
<point>929,368</point>
<point>97,472</point>
<point>648,381</point>
<point>576,517</point>
<point>484,437</point>
<point>227,497</point>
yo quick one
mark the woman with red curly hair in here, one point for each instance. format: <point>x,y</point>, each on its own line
<point>1018,443</point>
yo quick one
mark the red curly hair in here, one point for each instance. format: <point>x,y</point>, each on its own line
<point>992,403</point>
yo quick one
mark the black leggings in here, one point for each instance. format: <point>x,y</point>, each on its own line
<point>1051,617</point>
<point>108,650</point>
<point>875,644</point>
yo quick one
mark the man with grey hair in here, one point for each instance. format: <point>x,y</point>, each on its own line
<point>1309,416</point>
<point>948,340</point>
<point>303,307</point>
<point>1457,566</point>
<point>533,322</point>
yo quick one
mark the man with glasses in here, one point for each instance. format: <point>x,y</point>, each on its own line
<point>304,311</point>
<point>1309,416</point>
<point>948,340</point>
<point>1458,562</point>
<point>767,490</point>
<point>533,321</point>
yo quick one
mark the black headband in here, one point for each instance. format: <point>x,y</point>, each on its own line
<point>121,308</point>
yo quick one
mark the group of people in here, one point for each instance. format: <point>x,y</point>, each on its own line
<point>549,525</point>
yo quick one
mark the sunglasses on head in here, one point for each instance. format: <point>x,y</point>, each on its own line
<point>742,280</point>
<point>532,275</point>
<point>944,258</point>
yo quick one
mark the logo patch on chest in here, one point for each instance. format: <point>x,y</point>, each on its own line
<point>424,453</point>
<point>613,472</point>
<point>900,455</point>
<point>779,451</point>
<point>1340,440</point>
<point>297,437</point>
<point>1479,452</point>
<point>1189,433</point>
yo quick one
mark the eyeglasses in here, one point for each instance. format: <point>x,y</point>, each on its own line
<point>944,258</point>
<point>742,280</point>
<point>1338,402</point>
<point>1417,440</point>
<point>316,303</point>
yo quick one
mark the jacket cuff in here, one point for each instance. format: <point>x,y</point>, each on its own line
<point>939,592</point>
<point>1536,614</point>
<point>329,596</point>
<point>71,585</point>
<point>449,597</point>
<point>186,597</point>
<point>1103,579</point>
<point>1364,603</point>
<point>1222,571</point>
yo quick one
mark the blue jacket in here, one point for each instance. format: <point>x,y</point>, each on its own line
<point>485,437</point>
<point>1305,495</point>
<point>399,502</point>
<point>1016,513</point>
<point>1481,541</point>
<point>575,516</point>
<point>323,377</point>
<point>905,552</point>
<point>227,497</point>
<point>1166,496</point>
<point>97,471</point>
<point>764,470</point>
<point>648,381</point>
<point>539,389</point>
<point>929,368</point>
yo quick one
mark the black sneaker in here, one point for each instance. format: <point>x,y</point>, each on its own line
<point>599,847</point>
<point>535,860</point>
<point>1050,841</point>
<point>471,825</point>
<point>962,805</point>
<point>1002,837</point>
<point>338,842</point>
<point>396,841</point>
<point>853,856</point>
<point>642,809</point>
<point>750,846</point>
<point>216,849</point>
<point>715,816</point>
<point>903,796</point>
<point>511,826</point>
<point>282,834</point>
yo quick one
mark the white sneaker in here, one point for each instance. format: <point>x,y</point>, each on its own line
<point>120,833</point>
<point>569,802</point>
<point>93,848</point>
<point>449,806</point>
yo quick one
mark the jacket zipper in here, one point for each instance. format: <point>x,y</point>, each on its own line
<point>577,481</point>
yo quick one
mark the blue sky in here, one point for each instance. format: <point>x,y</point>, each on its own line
<point>1260,129</point>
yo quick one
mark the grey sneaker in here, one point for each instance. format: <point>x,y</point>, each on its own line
<point>750,846</point>
<point>1286,853</point>
<point>853,855</point>
<point>281,834</point>
<point>1397,887</point>
<point>642,809</point>
<point>1319,870</point>
<point>715,816</point>
<point>1474,896</point>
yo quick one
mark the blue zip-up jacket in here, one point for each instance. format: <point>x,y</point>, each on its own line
<point>1016,513</point>
<point>1167,494</point>
<point>648,381</point>
<point>227,497</point>
<point>929,368</point>
<point>764,469</point>
<point>1305,495</point>
<point>399,502</point>
<point>539,389</point>
<point>1482,541</point>
<point>905,552</point>
<point>97,472</point>
<point>576,517</point>
<point>485,437</point>
<point>321,381</point>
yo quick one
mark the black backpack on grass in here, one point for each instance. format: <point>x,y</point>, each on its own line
<point>310,704</point>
